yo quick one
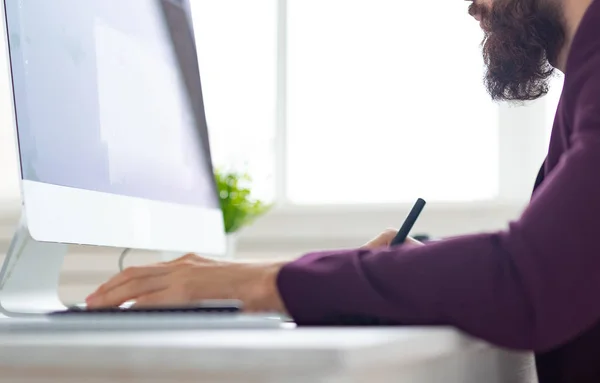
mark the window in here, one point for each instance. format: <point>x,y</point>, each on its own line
<point>365,99</point>
<point>553,98</point>
<point>237,53</point>
<point>386,104</point>
<point>349,104</point>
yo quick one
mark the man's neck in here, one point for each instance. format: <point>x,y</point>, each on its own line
<point>574,11</point>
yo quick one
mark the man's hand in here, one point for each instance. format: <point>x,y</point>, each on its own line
<point>192,279</point>
<point>385,239</point>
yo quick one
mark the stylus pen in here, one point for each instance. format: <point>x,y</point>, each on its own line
<point>409,222</point>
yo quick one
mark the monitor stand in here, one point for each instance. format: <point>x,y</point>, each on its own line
<point>30,276</point>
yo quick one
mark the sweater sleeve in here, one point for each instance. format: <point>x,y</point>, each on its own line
<point>532,286</point>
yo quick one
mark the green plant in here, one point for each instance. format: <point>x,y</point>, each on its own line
<point>237,203</point>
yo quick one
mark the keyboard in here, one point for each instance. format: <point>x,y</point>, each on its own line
<point>203,308</point>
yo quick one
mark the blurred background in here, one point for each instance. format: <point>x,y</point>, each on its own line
<point>343,112</point>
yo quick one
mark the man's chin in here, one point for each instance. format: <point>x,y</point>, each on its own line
<point>517,92</point>
<point>505,80</point>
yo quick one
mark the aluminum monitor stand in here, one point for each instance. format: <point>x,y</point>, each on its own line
<point>30,275</point>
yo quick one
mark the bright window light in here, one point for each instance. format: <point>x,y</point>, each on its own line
<point>237,52</point>
<point>386,104</point>
<point>552,99</point>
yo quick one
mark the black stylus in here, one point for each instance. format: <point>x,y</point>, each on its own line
<point>409,222</point>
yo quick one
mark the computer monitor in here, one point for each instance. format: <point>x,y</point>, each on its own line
<point>112,136</point>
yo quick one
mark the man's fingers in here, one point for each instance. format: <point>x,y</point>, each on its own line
<point>128,275</point>
<point>411,241</point>
<point>130,290</point>
<point>382,240</point>
<point>385,239</point>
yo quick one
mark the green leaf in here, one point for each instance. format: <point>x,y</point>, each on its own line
<point>237,203</point>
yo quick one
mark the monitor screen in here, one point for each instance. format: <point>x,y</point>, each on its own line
<point>103,101</point>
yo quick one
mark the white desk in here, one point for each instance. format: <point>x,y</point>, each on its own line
<point>248,356</point>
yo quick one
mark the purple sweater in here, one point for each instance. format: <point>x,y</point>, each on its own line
<point>535,286</point>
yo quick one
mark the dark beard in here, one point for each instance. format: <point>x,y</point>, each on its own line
<point>522,39</point>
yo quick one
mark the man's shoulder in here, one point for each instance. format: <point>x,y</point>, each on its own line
<point>580,100</point>
<point>586,43</point>
<point>582,76</point>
